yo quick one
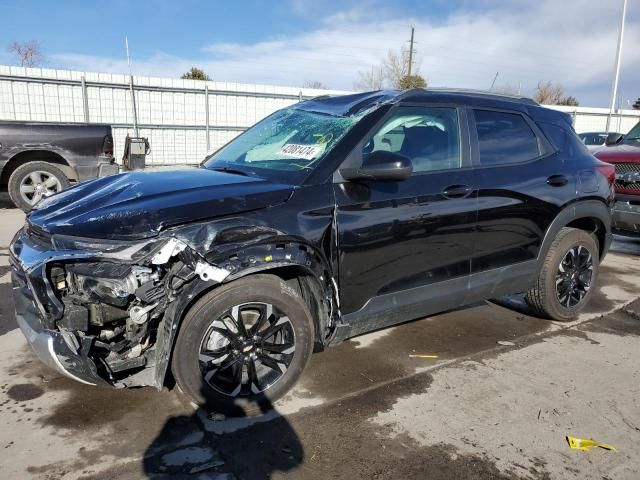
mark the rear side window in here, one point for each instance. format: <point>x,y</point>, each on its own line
<point>504,138</point>
<point>564,140</point>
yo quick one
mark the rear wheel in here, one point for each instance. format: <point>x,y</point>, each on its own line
<point>33,181</point>
<point>568,275</point>
<point>243,345</point>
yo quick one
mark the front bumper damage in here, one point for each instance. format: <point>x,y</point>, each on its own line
<point>73,332</point>
<point>58,350</point>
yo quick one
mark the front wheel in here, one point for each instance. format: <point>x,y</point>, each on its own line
<point>243,345</point>
<point>568,275</point>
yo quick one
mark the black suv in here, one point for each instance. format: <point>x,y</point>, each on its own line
<point>331,218</point>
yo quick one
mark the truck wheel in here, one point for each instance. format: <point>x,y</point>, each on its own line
<point>243,345</point>
<point>569,272</point>
<point>31,182</point>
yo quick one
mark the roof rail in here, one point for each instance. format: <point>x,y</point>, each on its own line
<point>487,93</point>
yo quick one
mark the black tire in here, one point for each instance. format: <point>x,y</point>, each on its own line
<point>548,298</point>
<point>190,371</point>
<point>20,178</point>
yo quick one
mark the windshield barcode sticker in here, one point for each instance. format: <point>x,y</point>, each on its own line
<point>308,152</point>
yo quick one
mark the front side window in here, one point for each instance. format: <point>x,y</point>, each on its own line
<point>285,146</point>
<point>429,137</point>
<point>504,138</point>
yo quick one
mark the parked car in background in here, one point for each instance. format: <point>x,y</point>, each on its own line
<point>594,140</point>
<point>328,219</point>
<point>40,159</point>
<point>624,154</point>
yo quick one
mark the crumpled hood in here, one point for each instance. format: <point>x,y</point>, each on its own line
<point>140,204</point>
<point>619,153</point>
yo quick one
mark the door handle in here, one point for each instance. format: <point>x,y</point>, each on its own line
<point>456,191</point>
<point>557,180</point>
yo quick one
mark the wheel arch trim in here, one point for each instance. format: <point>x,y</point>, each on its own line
<point>589,209</point>
<point>308,261</point>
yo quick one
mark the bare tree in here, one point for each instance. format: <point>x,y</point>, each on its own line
<point>569,100</point>
<point>28,53</point>
<point>548,93</point>
<point>393,71</point>
<point>314,84</point>
<point>370,79</point>
<point>396,66</point>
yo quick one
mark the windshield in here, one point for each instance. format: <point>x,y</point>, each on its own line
<point>283,147</point>
<point>633,136</point>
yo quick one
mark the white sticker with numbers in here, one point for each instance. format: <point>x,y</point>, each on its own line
<point>308,152</point>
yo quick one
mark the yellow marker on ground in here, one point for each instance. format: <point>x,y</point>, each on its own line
<point>582,444</point>
<point>423,356</point>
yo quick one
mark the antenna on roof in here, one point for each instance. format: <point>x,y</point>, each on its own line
<point>494,81</point>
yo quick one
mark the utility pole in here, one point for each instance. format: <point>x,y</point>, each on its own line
<point>616,72</point>
<point>411,51</point>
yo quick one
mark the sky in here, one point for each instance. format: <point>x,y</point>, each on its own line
<point>461,44</point>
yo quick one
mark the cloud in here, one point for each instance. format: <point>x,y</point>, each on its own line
<point>572,42</point>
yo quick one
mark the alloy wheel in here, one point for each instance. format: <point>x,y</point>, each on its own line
<point>574,276</point>
<point>247,349</point>
<point>37,185</point>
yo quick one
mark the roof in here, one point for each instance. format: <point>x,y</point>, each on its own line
<point>347,105</point>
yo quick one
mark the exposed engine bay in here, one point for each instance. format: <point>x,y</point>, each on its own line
<point>114,309</point>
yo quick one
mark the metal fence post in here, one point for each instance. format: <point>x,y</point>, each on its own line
<point>85,99</point>
<point>206,115</point>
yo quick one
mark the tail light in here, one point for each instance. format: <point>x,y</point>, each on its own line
<point>107,145</point>
<point>608,170</point>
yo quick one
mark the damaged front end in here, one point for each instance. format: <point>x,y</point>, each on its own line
<point>103,312</point>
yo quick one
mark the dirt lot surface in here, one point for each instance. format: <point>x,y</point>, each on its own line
<point>497,403</point>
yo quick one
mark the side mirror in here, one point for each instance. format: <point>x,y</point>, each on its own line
<point>613,139</point>
<point>380,165</point>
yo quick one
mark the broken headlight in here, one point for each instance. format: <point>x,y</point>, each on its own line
<point>114,249</point>
<point>111,283</point>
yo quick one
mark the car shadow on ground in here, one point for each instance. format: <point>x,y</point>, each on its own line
<point>228,446</point>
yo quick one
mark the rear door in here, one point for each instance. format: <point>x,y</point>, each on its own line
<point>398,237</point>
<point>522,183</point>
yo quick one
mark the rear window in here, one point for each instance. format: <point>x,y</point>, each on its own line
<point>504,138</point>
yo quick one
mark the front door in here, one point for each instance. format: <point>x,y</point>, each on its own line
<point>400,242</point>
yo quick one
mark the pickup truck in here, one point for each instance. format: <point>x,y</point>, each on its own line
<point>624,153</point>
<point>40,159</point>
